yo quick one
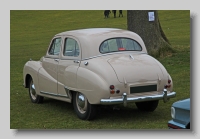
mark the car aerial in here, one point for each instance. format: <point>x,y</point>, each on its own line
<point>98,66</point>
<point>180,113</point>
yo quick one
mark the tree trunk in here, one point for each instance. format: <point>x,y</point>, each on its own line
<point>149,30</point>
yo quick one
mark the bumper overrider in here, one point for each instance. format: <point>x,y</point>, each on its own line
<point>124,99</point>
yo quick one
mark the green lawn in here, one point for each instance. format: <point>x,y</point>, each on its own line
<point>30,34</point>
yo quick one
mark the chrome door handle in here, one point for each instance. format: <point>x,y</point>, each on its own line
<point>56,60</point>
<point>76,61</point>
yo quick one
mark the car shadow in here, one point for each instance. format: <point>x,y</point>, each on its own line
<point>110,112</point>
<point>120,112</point>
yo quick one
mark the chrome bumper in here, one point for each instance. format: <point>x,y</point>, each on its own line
<point>165,96</point>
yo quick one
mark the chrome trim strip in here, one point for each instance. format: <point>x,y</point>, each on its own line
<point>111,54</point>
<point>47,93</point>
<point>131,56</point>
<point>67,91</point>
<point>96,56</point>
<point>52,94</point>
<point>124,99</point>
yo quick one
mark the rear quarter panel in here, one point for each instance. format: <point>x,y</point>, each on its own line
<point>31,68</point>
<point>94,79</point>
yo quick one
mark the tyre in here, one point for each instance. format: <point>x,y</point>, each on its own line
<point>83,108</point>
<point>147,105</point>
<point>32,93</point>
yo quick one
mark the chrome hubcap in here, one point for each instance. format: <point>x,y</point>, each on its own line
<point>81,102</point>
<point>32,91</point>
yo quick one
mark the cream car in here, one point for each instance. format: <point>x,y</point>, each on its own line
<point>98,66</point>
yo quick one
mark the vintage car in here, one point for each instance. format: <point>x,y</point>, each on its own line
<point>98,66</point>
<point>180,112</point>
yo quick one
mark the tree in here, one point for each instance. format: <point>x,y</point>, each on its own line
<point>149,28</point>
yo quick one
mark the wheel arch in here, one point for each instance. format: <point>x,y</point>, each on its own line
<point>188,126</point>
<point>30,70</point>
<point>92,85</point>
<point>27,79</point>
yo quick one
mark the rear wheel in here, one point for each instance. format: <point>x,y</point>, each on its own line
<point>32,93</point>
<point>83,108</point>
<point>147,105</point>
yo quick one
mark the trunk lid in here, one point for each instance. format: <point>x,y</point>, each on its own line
<point>135,68</point>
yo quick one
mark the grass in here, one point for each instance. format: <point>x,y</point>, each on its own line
<point>30,34</point>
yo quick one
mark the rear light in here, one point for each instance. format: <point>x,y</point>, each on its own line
<point>121,49</point>
<point>118,91</point>
<point>169,81</point>
<point>112,91</point>
<point>167,86</point>
<point>112,87</point>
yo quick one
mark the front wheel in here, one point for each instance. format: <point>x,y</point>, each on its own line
<point>147,105</point>
<point>32,93</point>
<point>83,108</point>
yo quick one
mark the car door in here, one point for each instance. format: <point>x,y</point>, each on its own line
<point>68,66</point>
<point>48,74</point>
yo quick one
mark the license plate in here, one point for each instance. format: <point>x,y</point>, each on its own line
<point>146,88</point>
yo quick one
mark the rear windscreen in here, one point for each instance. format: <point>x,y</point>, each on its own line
<point>119,44</point>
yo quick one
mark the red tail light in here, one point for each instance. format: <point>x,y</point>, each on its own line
<point>121,49</point>
<point>112,91</point>
<point>169,81</point>
<point>118,91</point>
<point>167,86</point>
<point>112,87</point>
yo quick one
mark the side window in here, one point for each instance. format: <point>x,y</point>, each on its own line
<point>55,47</point>
<point>71,48</point>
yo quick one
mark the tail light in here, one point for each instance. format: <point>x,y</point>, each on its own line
<point>113,90</point>
<point>169,84</point>
<point>112,87</point>
<point>118,91</point>
<point>121,49</point>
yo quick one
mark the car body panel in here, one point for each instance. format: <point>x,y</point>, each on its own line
<point>91,39</point>
<point>136,65</point>
<point>84,69</point>
<point>182,115</point>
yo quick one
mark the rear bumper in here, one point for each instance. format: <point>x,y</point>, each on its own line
<point>124,99</point>
<point>175,125</point>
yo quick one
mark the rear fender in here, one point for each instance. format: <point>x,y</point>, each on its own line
<point>31,69</point>
<point>92,85</point>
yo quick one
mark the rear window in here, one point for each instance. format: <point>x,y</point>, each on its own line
<point>119,44</point>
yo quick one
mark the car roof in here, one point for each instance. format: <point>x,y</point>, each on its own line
<point>89,31</point>
<point>91,38</point>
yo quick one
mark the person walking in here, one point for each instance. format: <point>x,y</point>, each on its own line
<point>106,13</point>
<point>120,13</point>
<point>114,12</point>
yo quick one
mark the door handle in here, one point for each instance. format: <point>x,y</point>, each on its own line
<point>76,61</point>
<point>57,60</point>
